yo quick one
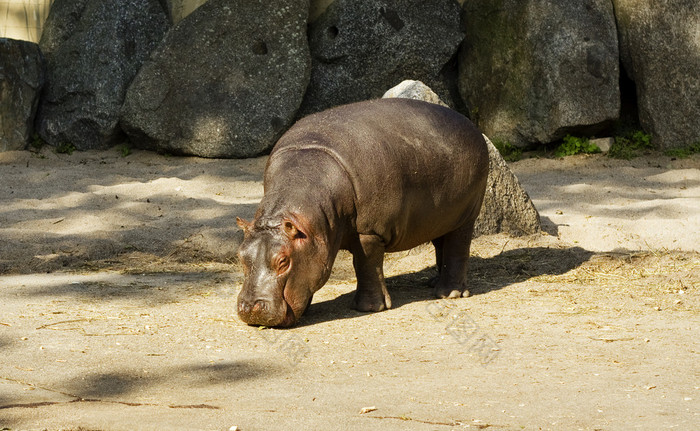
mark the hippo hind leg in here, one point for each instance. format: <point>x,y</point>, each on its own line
<point>452,256</point>
<point>437,244</point>
<point>368,260</point>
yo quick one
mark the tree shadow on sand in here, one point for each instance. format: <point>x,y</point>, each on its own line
<point>128,386</point>
<point>485,275</point>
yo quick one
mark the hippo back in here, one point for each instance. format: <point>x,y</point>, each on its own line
<point>409,162</point>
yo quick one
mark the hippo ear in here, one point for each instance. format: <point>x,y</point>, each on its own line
<point>244,225</point>
<point>291,230</point>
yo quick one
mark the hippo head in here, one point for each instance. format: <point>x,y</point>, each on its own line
<point>283,267</point>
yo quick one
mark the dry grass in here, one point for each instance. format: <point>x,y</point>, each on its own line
<point>637,268</point>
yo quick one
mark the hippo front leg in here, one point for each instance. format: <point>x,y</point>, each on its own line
<point>368,260</point>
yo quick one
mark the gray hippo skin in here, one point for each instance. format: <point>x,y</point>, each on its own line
<point>370,177</point>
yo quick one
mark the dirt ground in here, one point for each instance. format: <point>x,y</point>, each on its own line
<point>118,282</point>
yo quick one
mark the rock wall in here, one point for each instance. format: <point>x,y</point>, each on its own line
<point>225,82</point>
<point>21,80</point>
<point>531,71</point>
<point>660,51</point>
<point>361,48</point>
<point>93,50</point>
<point>526,71</point>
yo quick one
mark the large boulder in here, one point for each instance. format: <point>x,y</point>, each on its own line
<point>362,47</point>
<point>21,78</point>
<point>507,207</point>
<point>532,71</point>
<point>660,50</point>
<point>226,82</point>
<point>93,50</point>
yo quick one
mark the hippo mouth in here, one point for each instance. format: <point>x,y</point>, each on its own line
<point>269,312</point>
<point>263,313</point>
<point>289,317</point>
<point>279,312</point>
<point>292,314</point>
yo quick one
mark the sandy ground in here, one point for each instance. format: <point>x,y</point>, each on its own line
<point>118,279</point>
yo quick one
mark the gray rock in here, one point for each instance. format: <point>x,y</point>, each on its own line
<point>507,207</point>
<point>62,22</point>
<point>362,47</point>
<point>532,71</point>
<point>226,82</point>
<point>21,78</point>
<point>660,50</point>
<point>169,8</point>
<point>93,50</point>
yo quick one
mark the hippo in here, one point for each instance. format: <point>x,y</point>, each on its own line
<point>370,177</point>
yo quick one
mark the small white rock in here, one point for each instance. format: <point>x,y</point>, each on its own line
<point>410,89</point>
<point>603,143</point>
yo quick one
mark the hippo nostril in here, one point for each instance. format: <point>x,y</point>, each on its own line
<point>254,307</point>
<point>244,307</point>
<point>260,305</point>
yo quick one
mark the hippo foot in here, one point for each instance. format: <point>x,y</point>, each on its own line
<point>364,302</point>
<point>443,290</point>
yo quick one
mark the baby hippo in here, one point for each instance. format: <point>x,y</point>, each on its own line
<point>371,177</point>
